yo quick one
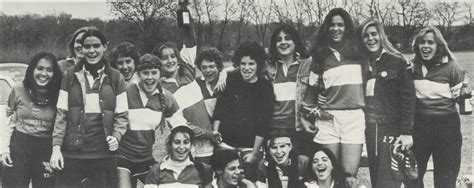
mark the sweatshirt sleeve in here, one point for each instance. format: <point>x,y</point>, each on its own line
<point>407,99</point>
<point>267,99</point>
<point>62,107</point>
<point>121,110</point>
<point>6,129</point>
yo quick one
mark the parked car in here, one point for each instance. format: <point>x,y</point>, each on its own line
<point>16,71</point>
<point>6,85</point>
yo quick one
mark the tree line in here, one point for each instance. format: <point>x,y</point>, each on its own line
<point>226,23</point>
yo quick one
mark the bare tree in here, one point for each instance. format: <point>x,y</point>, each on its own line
<point>243,11</point>
<point>229,12</point>
<point>412,14</point>
<point>261,15</point>
<point>448,13</point>
<point>143,14</point>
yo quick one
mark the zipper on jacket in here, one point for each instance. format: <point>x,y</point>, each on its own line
<point>376,136</point>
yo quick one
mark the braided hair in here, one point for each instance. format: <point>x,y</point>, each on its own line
<point>150,61</point>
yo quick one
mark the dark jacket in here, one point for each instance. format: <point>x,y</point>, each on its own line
<point>244,109</point>
<point>71,111</point>
<point>392,105</point>
<point>299,166</point>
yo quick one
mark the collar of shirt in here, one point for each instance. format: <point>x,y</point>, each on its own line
<point>143,96</point>
<point>336,53</point>
<point>377,59</point>
<point>90,78</point>
<point>168,164</point>
<point>209,88</point>
<point>286,67</point>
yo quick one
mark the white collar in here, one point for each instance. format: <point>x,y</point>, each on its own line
<point>156,91</point>
<point>167,163</point>
<point>381,53</point>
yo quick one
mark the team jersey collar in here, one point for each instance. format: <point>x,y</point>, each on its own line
<point>170,165</point>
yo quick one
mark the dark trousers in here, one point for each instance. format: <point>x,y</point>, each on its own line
<point>378,141</point>
<point>440,136</point>
<point>79,173</point>
<point>30,156</point>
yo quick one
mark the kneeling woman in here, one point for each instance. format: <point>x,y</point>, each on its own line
<point>282,167</point>
<point>178,169</point>
<point>26,139</point>
<point>226,165</point>
<point>325,171</point>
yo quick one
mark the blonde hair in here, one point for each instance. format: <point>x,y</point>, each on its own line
<point>442,49</point>
<point>385,43</point>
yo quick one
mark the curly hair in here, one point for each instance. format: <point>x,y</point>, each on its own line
<point>300,48</point>
<point>254,51</point>
<point>210,54</point>
<point>124,49</point>
<point>53,86</point>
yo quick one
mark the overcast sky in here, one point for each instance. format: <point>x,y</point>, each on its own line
<point>85,8</point>
<point>77,8</point>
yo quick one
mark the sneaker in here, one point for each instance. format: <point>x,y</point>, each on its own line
<point>410,167</point>
<point>396,159</point>
<point>323,115</point>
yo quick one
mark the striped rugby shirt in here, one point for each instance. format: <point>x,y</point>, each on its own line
<point>437,87</point>
<point>284,88</point>
<point>145,115</point>
<point>195,105</point>
<point>88,110</point>
<point>343,82</point>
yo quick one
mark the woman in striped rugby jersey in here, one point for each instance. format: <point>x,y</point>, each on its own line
<point>438,80</point>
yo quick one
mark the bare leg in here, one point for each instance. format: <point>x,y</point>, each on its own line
<point>350,157</point>
<point>124,178</point>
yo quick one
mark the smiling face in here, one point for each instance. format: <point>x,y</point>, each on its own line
<point>231,172</point>
<point>169,61</point>
<point>285,44</point>
<point>180,147</point>
<point>280,150</point>
<point>93,50</point>
<point>372,39</point>
<point>322,166</point>
<point>43,72</point>
<point>336,29</point>
<point>248,69</point>
<point>78,46</point>
<point>126,66</point>
<point>149,79</point>
<point>209,70</point>
<point>427,46</point>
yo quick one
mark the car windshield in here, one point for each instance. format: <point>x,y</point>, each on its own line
<point>16,73</point>
<point>5,89</point>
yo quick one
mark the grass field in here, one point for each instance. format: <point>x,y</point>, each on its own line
<point>466,60</point>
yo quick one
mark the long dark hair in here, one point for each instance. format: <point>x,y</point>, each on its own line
<point>53,85</point>
<point>320,48</point>
<point>273,178</point>
<point>337,174</point>
<point>295,36</point>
